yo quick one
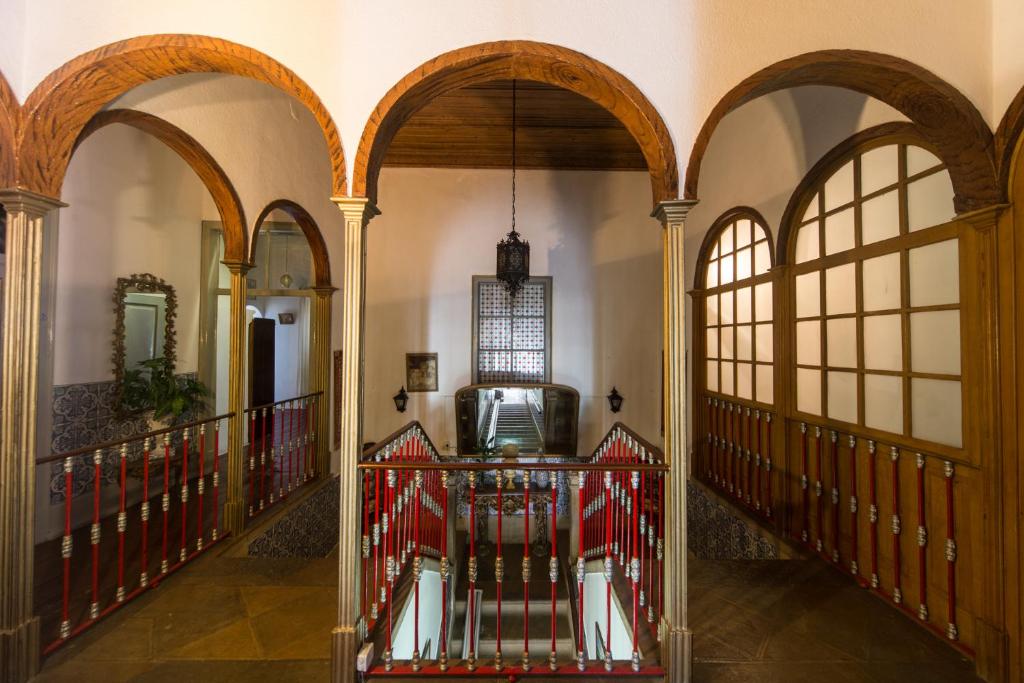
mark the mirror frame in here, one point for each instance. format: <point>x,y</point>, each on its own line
<point>148,284</point>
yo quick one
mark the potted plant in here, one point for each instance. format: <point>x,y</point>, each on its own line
<point>152,386</point>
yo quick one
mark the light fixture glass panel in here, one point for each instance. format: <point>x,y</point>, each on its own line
<point>742,232</point>
<point>712,375</point>
<point>880,217</point>
<point>842,396</point>
<point>725,312</point>
<point>841,342</point>
<point>883,402</point>
<point>919,159</point>
<point>743,295</point>
<point>765,383</point>
<point>839,188</point>
<point>880,282</point>
<point>711,309</point>
<point>726,342</point>
<point>712,277</point>
<point>727,240</point>
<point>883,342</point>
<point>763,302</point>
<point>808,342</point>
<point>840,290</point>
<point>762,258</point>
<point>935,274</point>
<point>936,411</point>
<point>726,275</point>
<point>929,201</point>
<point>744,380</point>
<point>839,232</point>
<point>808,391</point>
<point>727,386</point>
<point>812,209</point>
<point>744,342</point>
<point>807,243</point>
<point>808,294</point>
<point>744,267</point>
<point>879,168</point>
<point>935,342</point>
<point>711,348</point>
<point>764,342</point>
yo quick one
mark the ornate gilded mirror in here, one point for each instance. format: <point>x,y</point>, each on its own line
<point>144,310</point>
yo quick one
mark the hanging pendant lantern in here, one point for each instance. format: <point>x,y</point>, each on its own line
<point>513,264</point>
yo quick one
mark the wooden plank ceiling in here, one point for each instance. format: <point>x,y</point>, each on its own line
<point>556,129</point>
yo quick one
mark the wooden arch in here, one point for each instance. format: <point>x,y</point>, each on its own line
<point>315,239</point>
<point>205,166</point>
<point>946,119</point>
<point>711,237</point>
<point>1008,138</point>
<point>525,60</point>
<point>64,102</point>
<point>9,113</point>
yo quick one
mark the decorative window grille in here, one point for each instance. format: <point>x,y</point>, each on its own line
<point>512,337</point>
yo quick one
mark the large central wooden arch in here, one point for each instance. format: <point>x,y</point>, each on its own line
<point>314,238</point>
<point>59,108</point>
<point>944,116</point>
<point>526,60</point>
<point>9,113</point>
<point>205,166</point>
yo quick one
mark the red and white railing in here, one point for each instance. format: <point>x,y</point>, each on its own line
<point>282,454</point>
<point>738,454</point>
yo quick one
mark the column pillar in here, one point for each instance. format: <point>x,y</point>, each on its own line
<point>29,217</point>
<point>321,375</point>
<point>357,212</point>
<point>676,639</point>
<point>234,505</point>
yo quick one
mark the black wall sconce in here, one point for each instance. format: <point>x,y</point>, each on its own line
<point>615,400</point>
<point>401,399</point>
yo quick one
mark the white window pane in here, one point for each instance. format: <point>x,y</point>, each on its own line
<point>742,233</point>
<point>744,380</point>
<point>727,385</point>
<point>920,159</point>
<point>743,305</point>
<point>880,217</point>
<point>840,290</point>
<point>711,309</point>
<point>812,209</point>
<point>726,341</point>
<point>929,201</point>
<point>712,376</point>
<point>883,342</point>
<point>726,273</point>
<point>765,382</point>
<point>807,243</point>
<point>839,188</point>
<point>744,267</point>
<point>936,411</point>
<point>763,302</point>
<point>725,312</point>
<point>759,232</point>
<point>762,258</point>
<point>714,252</point>
<point>881,282</point>
<point>842,396</point>
<point>808,295</point>
<point>808,391</point>
<point>841,340</point>
<point>935,342</point>
<point>764,342</point>
<point>879,168</point>
<point>712,277</point>
<point>726,241</point>
<point>935,274</point>
<point>883,402</point>
<point>711,348</point>
<point>744,342</point>
<point>839,232</point>
<point>808,342</point>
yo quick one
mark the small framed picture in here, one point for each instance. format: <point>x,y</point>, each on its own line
<point>421,371</point>
<point>286,318</point>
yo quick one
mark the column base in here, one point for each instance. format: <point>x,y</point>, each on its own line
<point>344,647</point>
<point>19,652</point>
<point>234,517</point>
<point>676,653</point>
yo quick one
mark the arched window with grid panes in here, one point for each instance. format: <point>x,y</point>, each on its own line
<point>738,310</point>
<point>876,293</point>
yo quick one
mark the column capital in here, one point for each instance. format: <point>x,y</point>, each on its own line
<point>325,291</point>
<point>673,211</point>
<point>238,267</point>
<point>357,208</point>
<point>16,199</point>
<point>985,217</point>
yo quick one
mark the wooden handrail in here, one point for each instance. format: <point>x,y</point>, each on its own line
<point>285,400</point>
<point>372,451</point>
<point>647,445</point>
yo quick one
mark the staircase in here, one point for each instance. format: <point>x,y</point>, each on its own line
<point>515,425</point>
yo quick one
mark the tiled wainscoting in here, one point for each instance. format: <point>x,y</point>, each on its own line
<point>716,531</point>
<point>309,529</point>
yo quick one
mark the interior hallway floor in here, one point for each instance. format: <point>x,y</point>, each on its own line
<point>255,619</point>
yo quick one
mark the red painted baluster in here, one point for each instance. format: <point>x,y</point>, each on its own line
<point>201,485</point>
<point>553,571</point>
<point>443,659</point>
<point>951,629</point>
<point>312,436</point>
<point>144,516</point>
<point>873,513</point>
<point>390,568</point>
<point>363,606</point>
<point>854,568</point>
<point>252,463</point>
<point>581,568</point>
<point>641,538</point>
<point>715,437</point>
<point>757,460</point>
<point>661,544</point>
<point>66,546</point>
<point>922,541</point>
<point>768,465</point>
<point>651,505</point>
<point>122,520</point>
<point>729,448</point>
<point>94,535</point>
<point>526,570</point>
<point>304,438</point>
<point>805,533</point>
<point>417,565</point>
<point>737,424</point>
<point>377,586</point>
<point>276,448</point>
<point>608,574</point>
<point>214,532</point>
<point>819,543</point>
<point>835,496</point>
<point>183,550</point>
<point>634,567</point>
<point>472,574</point>
<point>499,569</point>
<point>897,591</point>
<point>263,458</point>
<point>747,475</point>
<point>165,504</point>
